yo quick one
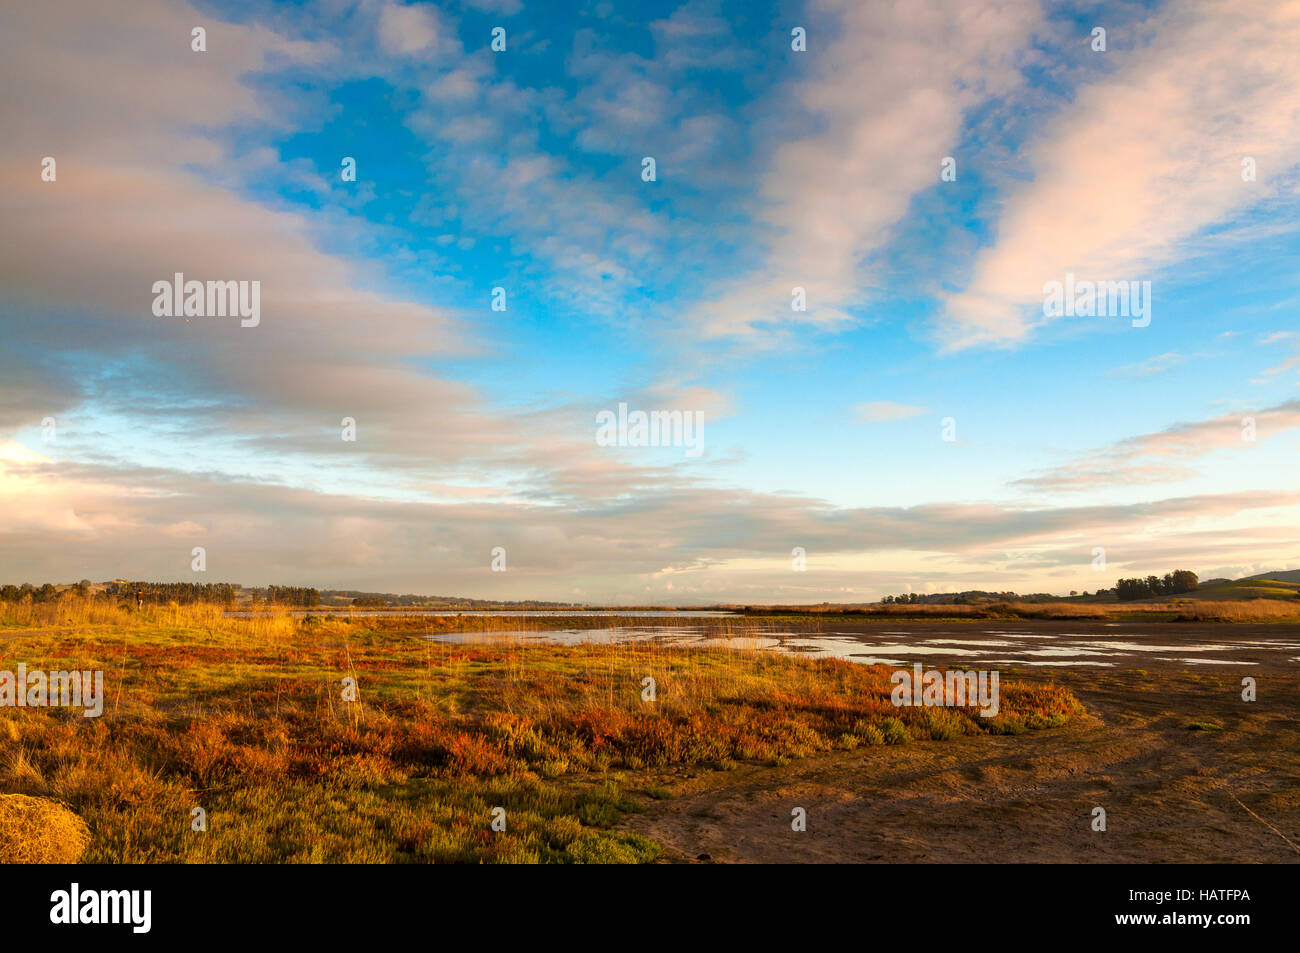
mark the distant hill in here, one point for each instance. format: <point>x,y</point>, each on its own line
<point>346,597</point>
<point>1280,584</point>
<point>1263,586</point>
<point>1284,575</point>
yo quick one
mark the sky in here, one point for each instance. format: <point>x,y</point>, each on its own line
<point>824,233</point>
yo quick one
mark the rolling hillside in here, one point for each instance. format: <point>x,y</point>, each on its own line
<point>1284,575</point>
<point>1264,586</point>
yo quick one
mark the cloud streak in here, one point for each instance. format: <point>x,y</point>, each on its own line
<point>1166,455</point>
<point>103,522</point>
<point>1117,197</point>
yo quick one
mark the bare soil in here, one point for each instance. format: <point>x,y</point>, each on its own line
<point>1171,792</point>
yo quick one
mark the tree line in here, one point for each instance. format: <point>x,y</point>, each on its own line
<point>45,593</point>
<point>183,593</point>
<point>1170,584</point>
<point>302,596</point>
<point>962,598</point>
<point>161,593</point>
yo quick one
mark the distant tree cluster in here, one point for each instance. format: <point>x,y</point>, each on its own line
<point>1171,584</point>
<point>355,597</point>
<point>222,593</point>
<point>302,596</point>
<point>45,593</point>
<point>961,598</point>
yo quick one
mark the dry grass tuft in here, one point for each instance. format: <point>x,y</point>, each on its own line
<point>36,830</point>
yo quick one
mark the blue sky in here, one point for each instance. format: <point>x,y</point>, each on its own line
<point>775,168</point>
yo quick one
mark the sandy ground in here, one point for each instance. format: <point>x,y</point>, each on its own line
<point>1171,793</point>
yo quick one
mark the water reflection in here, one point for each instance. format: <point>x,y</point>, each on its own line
<point>1029,649</point>
<point>345,613</point>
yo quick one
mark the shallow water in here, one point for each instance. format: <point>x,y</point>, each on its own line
<point>965,647</point>
<point>507,613</point>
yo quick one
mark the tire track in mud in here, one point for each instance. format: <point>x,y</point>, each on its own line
<point>1170,793</point>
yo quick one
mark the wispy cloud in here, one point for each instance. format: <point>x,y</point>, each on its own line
<point>884,122</point>
<point>1152,365</point>
<point>405,30</point>
<point>878,410</point>
<point>144,521</point>
<point>1124,209</point>
<point>1166,455</point>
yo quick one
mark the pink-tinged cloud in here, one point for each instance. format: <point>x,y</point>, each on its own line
<point>1167,455</point>
<point>1143,160</point>
<point>885,410</point>
<point>891,112</point>
<point>73,521</point>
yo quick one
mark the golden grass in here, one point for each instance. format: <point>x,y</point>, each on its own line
<point>245,718</point>
<point>1252,610</point>
<point>100,614</point>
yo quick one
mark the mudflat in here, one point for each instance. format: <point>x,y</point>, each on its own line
<point>1185,769</point>
<point>1065,644</point>
<point>980,643</point>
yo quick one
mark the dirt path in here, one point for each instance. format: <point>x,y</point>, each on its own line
<point>1168,791</point>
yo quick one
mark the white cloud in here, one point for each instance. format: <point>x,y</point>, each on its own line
<point>507,8</point>
<point>1152,365</point>
<point>1142,160</point>
<point>890,86</point>
<point>74,521</point>
<point>1165,455</point>
<point>878,410</point>
<point>1277,336</point>
<point>404,30</point>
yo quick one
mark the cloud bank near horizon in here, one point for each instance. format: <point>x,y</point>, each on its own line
<point>521,171</point>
